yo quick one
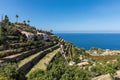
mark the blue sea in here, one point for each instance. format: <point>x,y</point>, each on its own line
<point>87,40</point>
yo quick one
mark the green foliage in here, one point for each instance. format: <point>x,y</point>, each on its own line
<point>11,30</point>
<point>100,69</point>
<point>99,50</point>
<point>1,35</point>
<point>9,71</point>
<point>1,48</point>
<point>118,63</point>
<point>12,37</point>
<point>21,39</point>
<point>37,75</point>
<point>76,59</point>
<point>118,59</point>
<point>19,50</point>
<point>103,58</point>
<point>75,73</point>
<point>3,54</point>
<point>82,51</point>
<point>59,70</point>
<point>6,19</point>
<point>3,77</point>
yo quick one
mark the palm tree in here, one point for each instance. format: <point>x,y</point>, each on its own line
<point>28,21</point>
<point>17,17</point>
<point>24,22</point>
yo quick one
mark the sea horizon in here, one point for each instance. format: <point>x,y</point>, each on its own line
<point>104,32</point>
<point>88,40</point>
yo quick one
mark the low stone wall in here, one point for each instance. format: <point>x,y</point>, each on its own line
<point>26,67</point>
<point>24,55</point>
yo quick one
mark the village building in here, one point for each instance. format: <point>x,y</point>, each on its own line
<point>42,36</point>
<point>29,35</point>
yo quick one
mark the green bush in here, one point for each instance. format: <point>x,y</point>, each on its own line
<point>3,54</point>
<point>1,48</point>
<point>33,47</point>
<point>9,72</point>
<point>59,70</point>
<point>2,35</point>
<point>13,37</point>
<point>19,50</point>
<point>36,75</point>
<point>23,44</point>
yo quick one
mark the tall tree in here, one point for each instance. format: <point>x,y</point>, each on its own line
<point>28,21</point>
<point>24,22</point>
<point>6,19</point>
<point>17,16</point>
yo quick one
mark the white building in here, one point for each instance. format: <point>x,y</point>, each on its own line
<point>29,35</point>
<point>42,35</point>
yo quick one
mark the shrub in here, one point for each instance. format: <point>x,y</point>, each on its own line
<point>12,37</point>
<point>1,35</point>
<point>9,72</point>
<point>32,47</point>
<point>36,75</point>
<point>3,54</point>
<point>1,48</point>
<point>19,50</point>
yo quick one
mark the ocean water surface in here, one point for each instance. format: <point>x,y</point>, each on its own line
<point>87,40</point>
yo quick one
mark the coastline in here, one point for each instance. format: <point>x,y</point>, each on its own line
<point>89,40</point>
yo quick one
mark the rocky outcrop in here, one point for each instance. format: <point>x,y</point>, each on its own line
<point>103,77</point>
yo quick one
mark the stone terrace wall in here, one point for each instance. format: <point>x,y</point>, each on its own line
<point>24,55</point>
<point>26,67</point>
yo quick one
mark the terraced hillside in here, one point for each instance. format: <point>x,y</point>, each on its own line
<point>28,64</point>
<point>24,45</point>
<point>42,64</point>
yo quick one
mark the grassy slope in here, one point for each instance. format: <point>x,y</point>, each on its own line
<point>42,64</point>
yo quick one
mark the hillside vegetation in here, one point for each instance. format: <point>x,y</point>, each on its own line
<point>27,53</point>
<point>21,47</point>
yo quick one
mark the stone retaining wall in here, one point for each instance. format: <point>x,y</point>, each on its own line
<point>52,60</point>
<point>26,67</point>
<point>24,55</point>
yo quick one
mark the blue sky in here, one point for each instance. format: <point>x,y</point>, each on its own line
<point>66,15</point>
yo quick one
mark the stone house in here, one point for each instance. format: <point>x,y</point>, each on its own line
<point>29,35</point>
<point>42,36</point>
